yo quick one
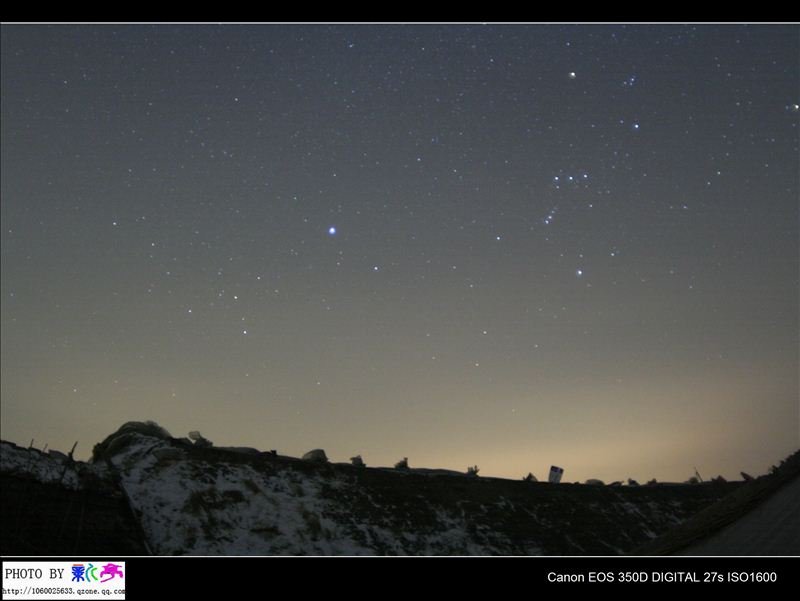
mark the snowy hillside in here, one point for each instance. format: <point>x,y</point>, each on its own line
<point>190,498</point>
<point>52,467</point>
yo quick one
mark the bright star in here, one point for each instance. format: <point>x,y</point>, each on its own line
<point>332,230</point>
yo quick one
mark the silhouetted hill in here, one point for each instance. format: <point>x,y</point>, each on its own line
<point>761,517</point>
<point>191,498</point>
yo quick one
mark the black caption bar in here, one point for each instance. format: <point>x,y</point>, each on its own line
<point>215,576</point>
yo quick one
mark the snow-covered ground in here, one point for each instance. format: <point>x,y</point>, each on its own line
<point>45,467</point>
<point>200,508</point>
<point>191,499</point>
<point>196,507</point>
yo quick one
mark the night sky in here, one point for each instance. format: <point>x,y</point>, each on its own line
<point>503,245</point>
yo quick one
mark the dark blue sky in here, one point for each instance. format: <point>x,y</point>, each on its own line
<point>553,244</point>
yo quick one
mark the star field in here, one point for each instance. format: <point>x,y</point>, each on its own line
<point>511,246</point>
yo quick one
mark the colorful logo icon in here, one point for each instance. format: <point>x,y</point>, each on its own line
<point>82,573</point>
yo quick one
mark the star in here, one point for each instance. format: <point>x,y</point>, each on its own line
<point>456,155</point>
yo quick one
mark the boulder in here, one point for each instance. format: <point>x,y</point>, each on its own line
<point>168,454</point>
<point>58,455</point>
<point>126,434</point>
<point>316,456</point>
<point>242,450</point>
<point>200,440</point>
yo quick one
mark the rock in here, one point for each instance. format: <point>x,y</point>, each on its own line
<point>126,433</point>
<point>594,482</point>
<point>316,456</point>
<point>200,440</point>
<point>402,464</point>
<point>357,461</point>
<point>168,454</point>
<point>118,443</point>
<point>242,450</point>
<point>57,455</point>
